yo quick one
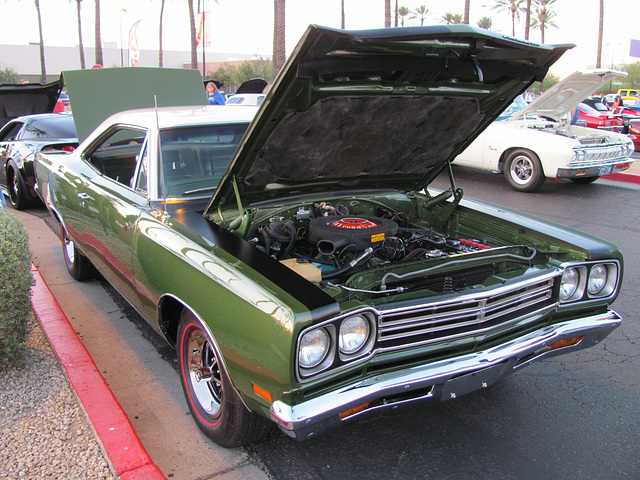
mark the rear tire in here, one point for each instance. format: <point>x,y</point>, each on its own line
<point>214,403</point>
<point>78,266</point>
<point>523,171</point>
<point>15,187</point>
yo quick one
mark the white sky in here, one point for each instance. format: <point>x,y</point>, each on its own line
<point>246,26</point>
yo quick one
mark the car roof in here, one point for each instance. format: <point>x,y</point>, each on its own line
<point>168,117</point>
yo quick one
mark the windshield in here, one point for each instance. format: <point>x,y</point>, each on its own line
<point>58,126</point>
<point>518,104</point>
<point>583,107</point>
<point>194,158</point>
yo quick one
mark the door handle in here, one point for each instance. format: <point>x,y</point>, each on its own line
<point>84,196</point>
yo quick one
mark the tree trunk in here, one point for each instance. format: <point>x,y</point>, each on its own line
<point>600,32</point>
<point>43,69</point>
<point>466,11</point>
<point>160,39</point>
<point>80,45</point>
<point>194,51</point>
<point>99,60</point>
<point>279,45</point>
<point>387,13</point>
<point>527,23</point>
<point>342,15</point>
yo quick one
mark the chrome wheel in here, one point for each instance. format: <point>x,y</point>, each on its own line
<point>204,372</point>
<point>69,249</point>
<point>521,170</point>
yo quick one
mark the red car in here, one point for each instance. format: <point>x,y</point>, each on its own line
<point>634,133</point>
<point>599,119</point>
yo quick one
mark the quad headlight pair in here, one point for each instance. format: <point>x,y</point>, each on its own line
<point>342,341</point>
<point>588,281</point>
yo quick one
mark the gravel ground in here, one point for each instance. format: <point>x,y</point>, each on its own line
<point>44,432</point>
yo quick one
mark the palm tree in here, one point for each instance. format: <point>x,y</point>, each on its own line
<point>513,7</point>
<point>544,16</point>
<point>43,69</point>
<point>342,15</point>
<point>403,12</point>
<point>279,44</point>
<point>420,12</point>
<point>99,60</point>
<point>192,26</point>
<point>527,23</point>
<point>160,52</point>
<point>466,11</point>
<point>485,22</point>
<point>80,46</point>
<point>387,13</point>
<point>452,18</point>
<point>600,32</point>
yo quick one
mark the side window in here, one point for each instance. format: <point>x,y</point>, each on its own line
<point>117,155</point>
<point>10,132</point>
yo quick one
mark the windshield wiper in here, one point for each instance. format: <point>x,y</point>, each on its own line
<point>199,190</point>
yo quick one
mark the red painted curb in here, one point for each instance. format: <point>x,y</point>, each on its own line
<point>623,177</point>
<point>119,440</point>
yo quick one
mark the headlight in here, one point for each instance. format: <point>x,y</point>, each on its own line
<point>597,279</point>
<point>354,332</point>
<point>569,284</point>
<point>314,346</point>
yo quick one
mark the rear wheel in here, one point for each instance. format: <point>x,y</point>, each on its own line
<point>78,266</point>
<point>215,405</point>
<point>584,180</point>
<point>523,171</point>
<point>16,190</point>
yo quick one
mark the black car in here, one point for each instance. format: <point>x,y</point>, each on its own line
<point>20,139</point>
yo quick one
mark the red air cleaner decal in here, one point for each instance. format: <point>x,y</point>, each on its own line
<point>354,223</point>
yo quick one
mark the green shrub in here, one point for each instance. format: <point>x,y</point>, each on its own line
<point>15,287</point>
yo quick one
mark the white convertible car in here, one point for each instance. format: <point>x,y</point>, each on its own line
<point>529,143</point>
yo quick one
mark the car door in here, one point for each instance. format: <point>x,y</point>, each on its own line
<point>111,206</point>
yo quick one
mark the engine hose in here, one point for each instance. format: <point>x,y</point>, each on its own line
<point>365,255</point>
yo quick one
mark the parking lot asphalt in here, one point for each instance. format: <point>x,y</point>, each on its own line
<point>120,443</point>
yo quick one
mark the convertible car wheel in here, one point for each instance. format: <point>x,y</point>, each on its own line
<point>78,266</point>
<point>14,185</point>
<point>524,171</point>
<point>584,180</point>
<point>215,405</point>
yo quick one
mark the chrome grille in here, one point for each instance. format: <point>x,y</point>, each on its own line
<point>595,156</point>
<point>472,316</point>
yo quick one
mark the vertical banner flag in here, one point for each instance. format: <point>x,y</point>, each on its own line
<point>134,49</point>
<point>203,32</point>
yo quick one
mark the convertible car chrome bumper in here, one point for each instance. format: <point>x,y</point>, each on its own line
<point>593,170</point>
<point>443,380</point>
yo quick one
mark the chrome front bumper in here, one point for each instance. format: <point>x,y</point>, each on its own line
<point>594,170</point>
<point>438,381</point>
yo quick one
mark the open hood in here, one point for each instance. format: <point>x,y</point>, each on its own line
<point>567,94</point>
<point>377,108</point>
<point>27,99</point>
<point>97,93</point>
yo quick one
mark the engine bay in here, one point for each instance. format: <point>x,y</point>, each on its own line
<point>364,245</point>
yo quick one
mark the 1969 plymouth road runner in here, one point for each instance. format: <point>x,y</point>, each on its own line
<point>303,269</point>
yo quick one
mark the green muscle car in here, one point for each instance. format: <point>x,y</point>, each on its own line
<point>294,254</point>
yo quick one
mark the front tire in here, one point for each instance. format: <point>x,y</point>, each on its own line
<point>78,266</point>
<point>584,180</point>
<point>214,404</point>
<point>523,171</point>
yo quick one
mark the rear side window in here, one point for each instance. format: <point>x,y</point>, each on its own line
<point>55,127</point>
